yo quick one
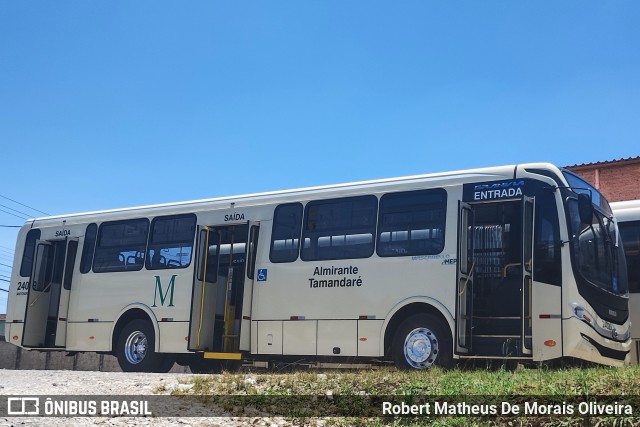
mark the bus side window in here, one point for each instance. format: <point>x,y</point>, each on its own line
<point>87,248</point>
<point>341,228</point>
<point>171,242</point>
<point>121,245</point>
<point>630,235</point>
<point>71,259</point>
<point>546,257</point>
<point>285,234</point>
<point>252,249</point>
<point>412,223</point>
<point>29,251</point>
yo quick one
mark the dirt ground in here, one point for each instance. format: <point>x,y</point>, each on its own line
<point>86,383</point>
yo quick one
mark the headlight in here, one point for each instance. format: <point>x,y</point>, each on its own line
<point>581,313</point>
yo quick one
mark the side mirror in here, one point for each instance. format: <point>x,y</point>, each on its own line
<point>585,208</point>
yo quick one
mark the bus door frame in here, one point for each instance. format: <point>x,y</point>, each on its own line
<point>528,228</point>
<point>236,335</point>
<point>464,279</point>
<point>65,294</point>
<point>39,300</point>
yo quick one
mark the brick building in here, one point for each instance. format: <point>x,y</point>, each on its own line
<point>618,180</point>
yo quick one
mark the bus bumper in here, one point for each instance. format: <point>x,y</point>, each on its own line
<point>585,343</point>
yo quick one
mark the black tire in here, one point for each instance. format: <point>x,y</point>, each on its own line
<point>422,340</point>
<point>167,364</point>
<point>203,366</point>
<point>135,349</point>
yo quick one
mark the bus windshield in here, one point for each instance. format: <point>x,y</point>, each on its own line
<point>595,252</point>
<point>595,248</point>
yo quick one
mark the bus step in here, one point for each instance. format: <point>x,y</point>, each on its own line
<point>497,345</point>
<point>496,336</point>
<point>497,325</point>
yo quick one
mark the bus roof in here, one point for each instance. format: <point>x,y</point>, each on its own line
<point>488,173</point>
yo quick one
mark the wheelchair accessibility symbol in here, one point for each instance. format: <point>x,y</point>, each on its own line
<point>262,275</point>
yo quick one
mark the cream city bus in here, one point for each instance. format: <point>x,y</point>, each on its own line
<point>511,263</point>
<point>628,218</point>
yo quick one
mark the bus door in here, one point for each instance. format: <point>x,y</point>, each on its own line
<point>528,209</point>
<point>218,291</point>
<point>494,290</point>
<point>464,289</point>
<point>45,319</point>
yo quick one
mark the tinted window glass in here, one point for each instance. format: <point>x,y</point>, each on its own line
<point>71,260</point>
<point>339,228</point>
<point>43,274</point>
<point>593,255</point>
<point>121,246</point>
<point>285,234</point>
<point>209,241</point>
<point>630,235</point>
<point>87,248</point>
<point>29,249</point>
<point>171,242</point>
<point>412,223</point>
<point>252,250</point>
<point>547,265</point>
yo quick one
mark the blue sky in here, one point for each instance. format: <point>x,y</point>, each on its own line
<point>121,103</point>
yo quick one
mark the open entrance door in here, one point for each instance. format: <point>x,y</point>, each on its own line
<point>464,290</point>
<point>219,288</point>
<point>528,209</point>
<point>45,324</point>
<point>494,299</point>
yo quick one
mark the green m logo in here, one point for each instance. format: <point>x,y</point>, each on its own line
<point>163,295</point>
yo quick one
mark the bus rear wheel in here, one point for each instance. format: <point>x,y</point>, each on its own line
<point>421,341</point>
<point>135,349</point>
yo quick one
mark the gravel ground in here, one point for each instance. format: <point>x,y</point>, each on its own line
<point>82,383</point>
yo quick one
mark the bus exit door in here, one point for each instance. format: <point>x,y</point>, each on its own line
<point>45,321</point>
<point>221,281</point>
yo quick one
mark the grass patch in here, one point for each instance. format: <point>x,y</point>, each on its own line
<point>358,394</point>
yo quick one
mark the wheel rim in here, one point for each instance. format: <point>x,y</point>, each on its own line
<point>135,348</point>
<point>421,348</point>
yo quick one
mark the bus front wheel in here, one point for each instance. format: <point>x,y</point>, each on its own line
<point>135,349</point>
<point>422,340</point>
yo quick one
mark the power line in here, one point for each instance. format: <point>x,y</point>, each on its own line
<point>15,210</point>
<point>21,217</point>
<point>22,204</point>
<point>11,226</point>
<point>5,249</point>
<point>5,265</point>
